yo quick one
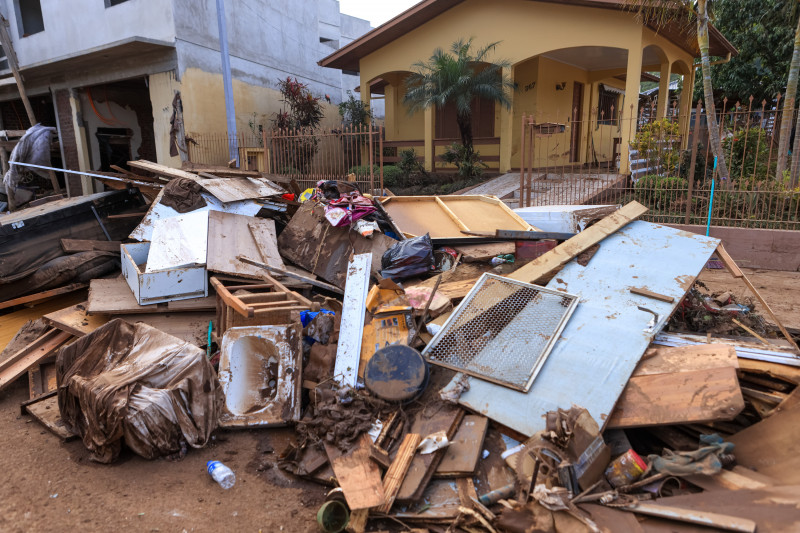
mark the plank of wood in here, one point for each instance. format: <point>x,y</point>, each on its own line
<point>44,295</point>
<point>551,262</point>
<point>667,360</point>
<point>651,294</point>
<point>11,323</point>
<point>71,246</point>
<point>736,272</point>
<point>678,398</point>
<point>724,480</point>
<point>75,320</point>
<point>359,476</point>
<point>484,252</point>
<point>46,412</point>
<point>348,353</point>
<point>190,327</point>
<point>161,170</point>
<point>703,518</point>
<point>229,235</point>
<point>397,471</point>
<point>18,364</point>
<point>447,419</point>
<point>114,297</point>
<point>293,275</point>
<point>461,457</point>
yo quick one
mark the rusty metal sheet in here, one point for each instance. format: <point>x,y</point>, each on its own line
<point>601,344</point>
<point>260,371</point>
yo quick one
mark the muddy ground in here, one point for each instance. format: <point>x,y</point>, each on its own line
<point>48,485</point>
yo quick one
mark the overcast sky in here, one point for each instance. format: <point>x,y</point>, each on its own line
<point>375,11</point>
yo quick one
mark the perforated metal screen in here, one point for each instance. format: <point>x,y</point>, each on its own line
<point>502,331</point>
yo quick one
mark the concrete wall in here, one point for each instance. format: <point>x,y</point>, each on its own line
<point>76,26</point>
<point>756,248</point>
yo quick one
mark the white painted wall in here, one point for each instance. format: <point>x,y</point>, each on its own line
<point>73,27</point>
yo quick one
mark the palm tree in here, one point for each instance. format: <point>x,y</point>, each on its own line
<point>458,76</point>
<point>663,12</point>
<point>788,106</point>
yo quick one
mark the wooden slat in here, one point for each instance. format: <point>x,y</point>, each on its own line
<point>551,262</point>
<point>461,457</point>
<point>162,170</point>
<point>359,476</point>
<point>398,469</point>
<point>736,272</point>
<point>12,322</point>
<point>18,364</point>
<point>651,294</point>
<point>44,295</point>
<point>72,246</point>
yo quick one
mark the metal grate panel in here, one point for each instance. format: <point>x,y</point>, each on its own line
<point>502,331</point>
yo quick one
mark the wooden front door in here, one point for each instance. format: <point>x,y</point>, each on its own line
<point>576,117</point>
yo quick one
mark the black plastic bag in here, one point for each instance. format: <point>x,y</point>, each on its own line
<point>408,258</point>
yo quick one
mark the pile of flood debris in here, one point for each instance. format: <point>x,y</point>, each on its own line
<point>445,364</point>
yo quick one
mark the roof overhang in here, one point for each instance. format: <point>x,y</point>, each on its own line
<point>348,57</point>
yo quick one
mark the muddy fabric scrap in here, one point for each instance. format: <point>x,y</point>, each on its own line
<point>137,384</point>
<point>183,195</point>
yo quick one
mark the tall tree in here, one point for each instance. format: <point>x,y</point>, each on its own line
<point>458,76</point>
<point>788,107</point>
<point>665,12</point>
<point>762,33</point>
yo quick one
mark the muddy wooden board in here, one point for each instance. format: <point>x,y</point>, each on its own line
<point>235,189</point>
<point>422,467</point>
<point>359,476</point>
<point>607,334</point>
<point>312,243</point>
<point>38,350</point>
<point>190,326</point>
<point>771,446</point>
<point>12,322</point>
<point>46,413</point>
<point>114,297</point>
<point>484,252</point>
<point>679,398</point>
<point>229,236</point>
<point>461,457</point>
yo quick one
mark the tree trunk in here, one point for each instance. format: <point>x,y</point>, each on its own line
<point>708,92</point>
<point>788,106</point>
<point>795,156</point>
<point>465,129</point>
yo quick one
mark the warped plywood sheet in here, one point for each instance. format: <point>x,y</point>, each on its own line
<point>236,189</point>
<point>159,211</point>
<point>446,217</point>
<point>178,242</point>
<point>114,297</point>
<point>229,236</point>
<point>602,343</point>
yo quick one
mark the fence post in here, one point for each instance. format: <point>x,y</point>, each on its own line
<point>266,151</point>
<point>522,163</point>
<point>371,170</point>
<point>380,154</point>
<point>693,163</point>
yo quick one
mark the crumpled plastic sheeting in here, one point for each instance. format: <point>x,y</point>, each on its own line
<point>138,384</point>
<point>33,148</point>
<point>704,460</point>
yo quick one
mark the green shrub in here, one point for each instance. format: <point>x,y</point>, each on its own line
<point>468,163</point>
<point>362,171</point>
<point>392,176</point>
<point>659,143</point>
<point>661,193</point>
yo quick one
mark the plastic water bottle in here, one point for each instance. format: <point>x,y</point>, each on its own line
<point>221,474</point>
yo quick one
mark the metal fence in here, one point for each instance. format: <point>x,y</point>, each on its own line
<point>672,168</point>
<point>305,155</point>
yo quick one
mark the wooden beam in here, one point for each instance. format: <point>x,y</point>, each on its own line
<point>11,56</point>
<point>162,170</point>
<point>394,477</point>
<point>71,246</point>
<point>44,295</point>
<point>736,272</point>
<point>653,295</point>
<point>551,262</point>
<point>18,364</point>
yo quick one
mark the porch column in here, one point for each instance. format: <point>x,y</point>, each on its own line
<point>429,131</point>
<point>663,90</point>
<point>506,132</point>
<point>685,107</point>
<point>365,94</point>
<point>631,104</point>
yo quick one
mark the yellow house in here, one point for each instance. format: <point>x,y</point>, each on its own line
<point>577,65</point>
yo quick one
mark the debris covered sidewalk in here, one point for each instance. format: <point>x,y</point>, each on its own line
<point>430,363</point>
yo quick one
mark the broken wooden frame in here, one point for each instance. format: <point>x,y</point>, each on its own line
<point>269,302</point>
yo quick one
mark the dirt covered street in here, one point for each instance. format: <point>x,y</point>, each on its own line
<point>53,486</point>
